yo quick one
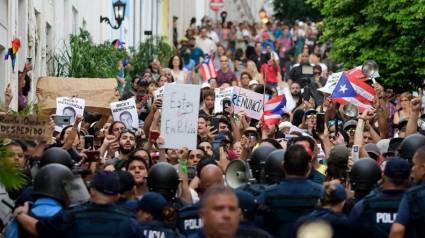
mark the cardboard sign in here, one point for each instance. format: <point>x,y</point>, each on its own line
<point>219,96</point>
<point>250,102</point>
<point>179,119</point>
<point>25,127</point>
<point>126,112</point>
<point>72,107</point>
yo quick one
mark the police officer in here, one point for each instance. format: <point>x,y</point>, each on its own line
<point>49,196</point>
<point>257,163</point>
<point>127,184</point>
<point>410,218</point>
<point>220,213</point>
<point>189,221</point>
<point>332,204</point>
<point>410,144</point>
<point>293,197</point>
<point>164,179</point>
<point>273,171</point>
<point>374,215</point>
<point>152,212</point>
<point>248,206</point>
<point>364,177</point>
<point>98,218</point>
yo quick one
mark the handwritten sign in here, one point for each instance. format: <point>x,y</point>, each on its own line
<point>69,106</point>
<point>126,112</point>
<point>250,102</point>
<point>219,96</point>
<point>179,119</point>
<point>25,127</point>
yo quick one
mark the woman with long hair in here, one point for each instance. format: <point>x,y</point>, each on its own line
<point>176,66</point>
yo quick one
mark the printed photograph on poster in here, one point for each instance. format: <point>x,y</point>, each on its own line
<point>219,96</point>
<point>126,112</point>
<point>179,119</point>
<point>69,107</point>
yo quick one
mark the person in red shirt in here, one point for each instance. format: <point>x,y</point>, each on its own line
<point>271,71</point>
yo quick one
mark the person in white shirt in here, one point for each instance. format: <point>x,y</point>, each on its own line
<point>205,43</point>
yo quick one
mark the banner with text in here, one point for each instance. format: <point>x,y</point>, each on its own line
<point>69,106</point>
<point>25,127</point>
<point>250,102</point>
<point>126,112</point>
<point>179,119</point>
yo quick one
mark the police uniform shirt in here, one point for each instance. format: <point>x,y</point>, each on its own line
<point>403,215</point>
<point>356,215</point>
<point>63,224</point>
<point>189,221</point>
<point>157,229</point>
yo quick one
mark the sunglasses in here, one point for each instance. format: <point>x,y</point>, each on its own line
<point>317,72</point>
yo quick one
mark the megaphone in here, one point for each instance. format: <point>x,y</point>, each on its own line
<point>350,110</point>
<point>237,174</point>
<point>370,69</point>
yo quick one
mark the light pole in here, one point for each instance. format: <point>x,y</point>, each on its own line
<point>119,13</point>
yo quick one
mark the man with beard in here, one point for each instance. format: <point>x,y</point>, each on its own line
<point>127,143</point>
<point>293,96</point>
<point>208,103</point>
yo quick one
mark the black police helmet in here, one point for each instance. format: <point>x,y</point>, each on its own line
<point>257,160</point>
<point>50,181</point>
<point>164,179</point>
<point>273,170</point>
<point>410,144</point>
<point>56,155</point>
<point>365,174</point>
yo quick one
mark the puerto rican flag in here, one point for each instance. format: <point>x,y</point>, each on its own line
<point>273,110</point>
<point>207,68</point>
<point>353,90</point>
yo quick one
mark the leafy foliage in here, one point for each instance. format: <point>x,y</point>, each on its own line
<point>153,47</point>
<point>389,31</point>
<point>291,10</point>
<point>81,58</point>
<point>10,175</point>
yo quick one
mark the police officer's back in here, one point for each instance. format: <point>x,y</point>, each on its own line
<point>248,206</point>
<point>332,204</point>
<point>410,218</point>
<point>294,197</point>
<point>98,218</point>
<point>374,215</point>
<point>152,212</point>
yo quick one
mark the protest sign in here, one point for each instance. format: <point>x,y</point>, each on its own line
<point>98,93</point>
<point>179,119</point>
<point>250,102</point>
<point>219,96</point>
<point>69,106</point>
<point>25,127</point>
<point>126,112</point>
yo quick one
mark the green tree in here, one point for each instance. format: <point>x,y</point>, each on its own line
<point>291,10</point>
<point>392,32</point>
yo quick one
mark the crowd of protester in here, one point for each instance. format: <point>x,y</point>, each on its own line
<point>354,178</point>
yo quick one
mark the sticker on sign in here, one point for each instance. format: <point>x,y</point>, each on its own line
<point>216,5</point>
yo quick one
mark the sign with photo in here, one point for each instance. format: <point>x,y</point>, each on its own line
<point>126,112</point>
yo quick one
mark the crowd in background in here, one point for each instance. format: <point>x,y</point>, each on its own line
<point>354,173</point>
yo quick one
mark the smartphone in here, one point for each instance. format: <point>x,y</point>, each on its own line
<point>153,136</point>
<point>320,122</point>
<point>214,123</point>
<point>89,142</point>
<point>92,155</point>
<point>226,103</point>
<point>355,153</point>
<point>29,60</point>
<point>62,120</point>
